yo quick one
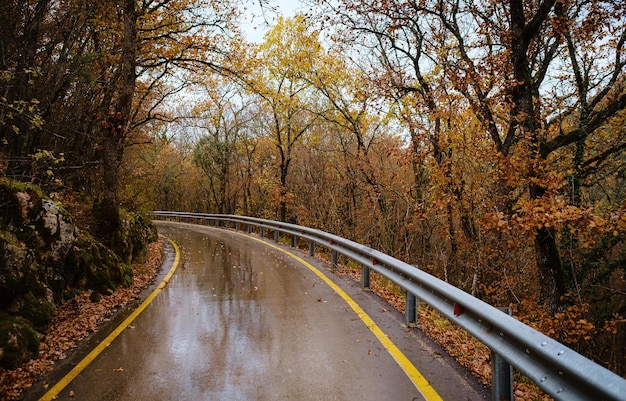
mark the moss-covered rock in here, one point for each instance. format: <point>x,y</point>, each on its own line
<point>45,258</point>
<point>56,229</point>
<point>19,271</point>
<point>19,342</point>
<point>37,233</point>
<point>133,237</point>
<point>38,309</point>
<point>91,265</point>
<point>20,202</point>
<point>26,303</point>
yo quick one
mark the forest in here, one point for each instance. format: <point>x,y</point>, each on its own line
<point>483,142</point>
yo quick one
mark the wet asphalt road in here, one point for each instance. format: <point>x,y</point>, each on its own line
<point>242,321</point>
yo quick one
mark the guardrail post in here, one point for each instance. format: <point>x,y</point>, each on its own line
<point>262,232</point>
<point>294,239</point>
<point>365,277</point>
<point>249,228</point>
<point>228,224</point>
<point>311,248</point>
<point>238,226</point>
<point>410,309</point>
<point>334,257</point>
<point>501,375</point>
<point>276,235</point>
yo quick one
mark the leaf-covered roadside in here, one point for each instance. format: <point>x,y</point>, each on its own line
<point>73,321</point>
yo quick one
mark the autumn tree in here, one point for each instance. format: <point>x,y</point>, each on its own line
<point>99,73</point>
<point>171,38</point>
<point>224,120</point>
<point>401,72</point>
<point>355,107</point>
<point>278,79</point>
<point>46,62</point>
<point>161,175</point>
<point>540,77</point>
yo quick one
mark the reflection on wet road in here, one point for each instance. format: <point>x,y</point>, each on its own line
<point>241,321</point>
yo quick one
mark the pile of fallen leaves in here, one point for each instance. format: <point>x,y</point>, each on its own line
<point>457,343</point>
<point>76,319</point>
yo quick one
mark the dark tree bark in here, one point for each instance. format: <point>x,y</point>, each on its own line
<point>525,119</point>
<point>118,121</point>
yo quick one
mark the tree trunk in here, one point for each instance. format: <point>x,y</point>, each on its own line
<point>285,161</point>
<point>283,193</point>
<point>526,121</point>
<point>225,196</point>
<point>549,263</point>
<point>117,124</point>
<point>550,268</point>
<point>111,161</point>
<point>453,272</point>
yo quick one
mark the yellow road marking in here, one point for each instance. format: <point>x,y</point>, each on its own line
<point>61,384</point>
<point>420,382</point>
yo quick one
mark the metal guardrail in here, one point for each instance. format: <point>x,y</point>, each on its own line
<point>556,369</point>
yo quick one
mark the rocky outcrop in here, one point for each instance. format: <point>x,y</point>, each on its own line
<point>135,232</point>
<point>45,258</point>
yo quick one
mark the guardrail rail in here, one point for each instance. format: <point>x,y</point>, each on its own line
<point>558,370</point>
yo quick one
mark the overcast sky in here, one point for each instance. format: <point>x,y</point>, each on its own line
<point>256,29</point>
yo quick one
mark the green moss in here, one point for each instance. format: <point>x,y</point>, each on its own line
<point>19,342</point>
<point>91,265</point>
<point>100,278</point>
<point>12,186</point>
<point>37,309</point>
<point>70,293</point>
<point>19,272</point>
<point>97,209</point>
<point>127,276</point>
<point>95,296</point>
<point>11,212</point>
<point>133,236</point>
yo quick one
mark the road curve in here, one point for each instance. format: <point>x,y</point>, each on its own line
<point>241,320</point>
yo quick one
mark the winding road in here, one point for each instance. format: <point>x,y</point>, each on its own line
<point>246,319</point>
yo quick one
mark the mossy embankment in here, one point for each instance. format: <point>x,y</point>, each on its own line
<point>45,258</point>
